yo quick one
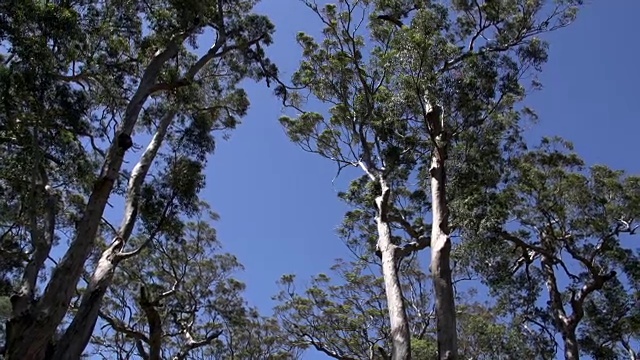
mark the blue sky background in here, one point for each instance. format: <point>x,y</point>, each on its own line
<point>278,207</point>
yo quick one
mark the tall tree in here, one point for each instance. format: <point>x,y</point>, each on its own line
<point>558,225</point>
<point>77,77</point>
<point>430,103</point>
<point>343,315</point>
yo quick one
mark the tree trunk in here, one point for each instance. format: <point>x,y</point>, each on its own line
<point>440,239</point>
<point>440,261</point>
<point>564,324</point>
<point>571,349</point>
<point>78,334</point>
<point>400,335</point>
<point>32,331</point>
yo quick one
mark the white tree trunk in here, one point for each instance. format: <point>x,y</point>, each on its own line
<point>400,335</point>
<point>78,334</point>
<point>31,330</point>
<point>440,240</point>
<point>440,262</point>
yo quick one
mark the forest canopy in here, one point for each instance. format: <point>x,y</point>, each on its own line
<point>464,233</point>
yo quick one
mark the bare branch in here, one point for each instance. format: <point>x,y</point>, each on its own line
<point>577,300</point>
<point>421,240</point>
<point>192,344</point>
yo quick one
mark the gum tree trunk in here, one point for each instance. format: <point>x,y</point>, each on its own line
<point>441,241</point>
<point>400,335</point>
<point>33,324</point>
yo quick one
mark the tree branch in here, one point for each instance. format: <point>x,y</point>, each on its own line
<point>320,347</point>
<point>139,173</point>
<point>577,300</point>
<point>155,324</point>
<point>192,344</point>
<point>120,327</point>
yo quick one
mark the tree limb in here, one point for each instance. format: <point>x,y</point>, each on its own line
<point>120,327</point>
<point>155,324</point>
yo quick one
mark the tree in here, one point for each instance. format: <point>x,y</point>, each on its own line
<point>81,80</point>
<point>555,223</point>
<point>183,303</point>
<point>344,317</point>
<point>431,103</point>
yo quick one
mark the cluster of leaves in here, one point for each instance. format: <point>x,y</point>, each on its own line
<point>378,79</point>
<point>553,245</point>
<point>470,58</point>
<point>82,82</point>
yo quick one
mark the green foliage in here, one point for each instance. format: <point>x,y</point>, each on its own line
<point>381,84</point>
<point>345,316</point>
<point>347,319</point>
<point>194,296</point>
<point>377,80</point>
<point>552,208</point>
<point>72,77</point>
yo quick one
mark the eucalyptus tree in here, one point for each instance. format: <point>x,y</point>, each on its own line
<point>422,99</point>
<point>343,315</point>
<point>82,82</point>
<point>183,302</point>
<point>553,244</point>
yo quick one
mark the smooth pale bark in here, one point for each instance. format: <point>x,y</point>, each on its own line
<point>78,334</point>
<point>400,335</point>
<point>33,327</point>
<point>440,265</point>
<point>441,241</point>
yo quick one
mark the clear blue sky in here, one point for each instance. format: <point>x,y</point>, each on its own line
<point>278,206</point>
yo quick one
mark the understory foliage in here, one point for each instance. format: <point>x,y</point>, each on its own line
<point>344,316</point>
<point>110,111</point>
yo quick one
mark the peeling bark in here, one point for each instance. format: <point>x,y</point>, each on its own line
<point>400,336</point>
